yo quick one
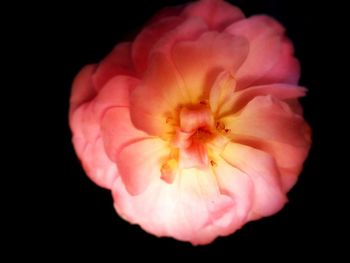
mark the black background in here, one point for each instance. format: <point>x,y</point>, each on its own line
<point>69,214</point>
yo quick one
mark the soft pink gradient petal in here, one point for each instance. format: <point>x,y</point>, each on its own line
<point>269,197</point>
<point>267,118</point>
<point>164,91</point>
<point>270,57</point>
<point>200,61</point>
<point>140,162</point>
<point>82,88</point>
<point>162,84</point>
<point>148,37</point>
<point>239,99</point>
<point>191,209</point>
<point>86,127</point>
<point>239,186</point>
<point>222,93</point>
<point>289,158</point>
<point>118,131</point>
<point>216,13</point>
<point>118,62</point>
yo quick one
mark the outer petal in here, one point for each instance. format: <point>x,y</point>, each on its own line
<point>190,209</point>
<point>146,40</point>
<point>118,62</point>
<point>82,89</point>
<point>270,55</point>
<point>85,125</point>
<point>269,196</point>
<point>216,13</point>
<point>289,158</point>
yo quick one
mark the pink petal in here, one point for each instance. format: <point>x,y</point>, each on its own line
<point>261,167</point>
<point>286,69</point>
<point>238,185</point>
<point>148,37</point>
<point>217,14</point>
<point>240,98</point>
<point>115,93</point>
<point>164,92</point>
<point>268,48</point>
<point>200,61</point>
<point>118,131</point>
<point>82,89</point>
<point>118,62</point>
<point>191,209</point>
<point>140,162</point>
<point>89,147</point>
<point>289,158</point>
<point>267,118</point>
<point>97,165</point>
<point>222,92</point>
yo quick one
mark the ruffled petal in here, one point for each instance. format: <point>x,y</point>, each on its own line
<point>199,62</point>
<point>239,186</point>
<point>118,62</point>
<point>162,84</point>
<point>140,162</point>
<point>268,48</point>
<point>148,37</point>
<point>261,167</point>
<point>82,88</point>
<point>238,100</point>
<point>89,147</point>
<point>267,118</point>
<point>118,131</point>
<point>217,14</point>
<point>190,209</point>
<point>154,103</point>
<point>100,169</point>
<point>289,158</point>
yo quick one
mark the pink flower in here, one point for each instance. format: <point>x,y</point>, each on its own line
<point>195,126</point>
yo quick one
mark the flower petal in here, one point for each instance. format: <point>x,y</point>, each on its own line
<point>140,162</point>
<point>100,169</point>
<point>162,84</point>
<point>217,14</point>
<point>236,184</point>
<point>118,62</point>
<point>261,167</point>
<point>164,92</point>
<point>89,147</point>
<point>222,92</point>
<point>268,48</point>
<point>200,61</point>
<point>148,37</point>
<point>190,209</point>
<point>118,131</point>
<point>267,118</point>
<point>239,99</point>
<point>289,158</point>
<point>82,88</point>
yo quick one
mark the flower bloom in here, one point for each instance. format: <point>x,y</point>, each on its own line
<point>195,126</point>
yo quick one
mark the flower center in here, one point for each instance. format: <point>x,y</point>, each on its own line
<point>196,126</point>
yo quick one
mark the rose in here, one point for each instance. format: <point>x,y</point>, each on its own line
<point>195,126</point>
